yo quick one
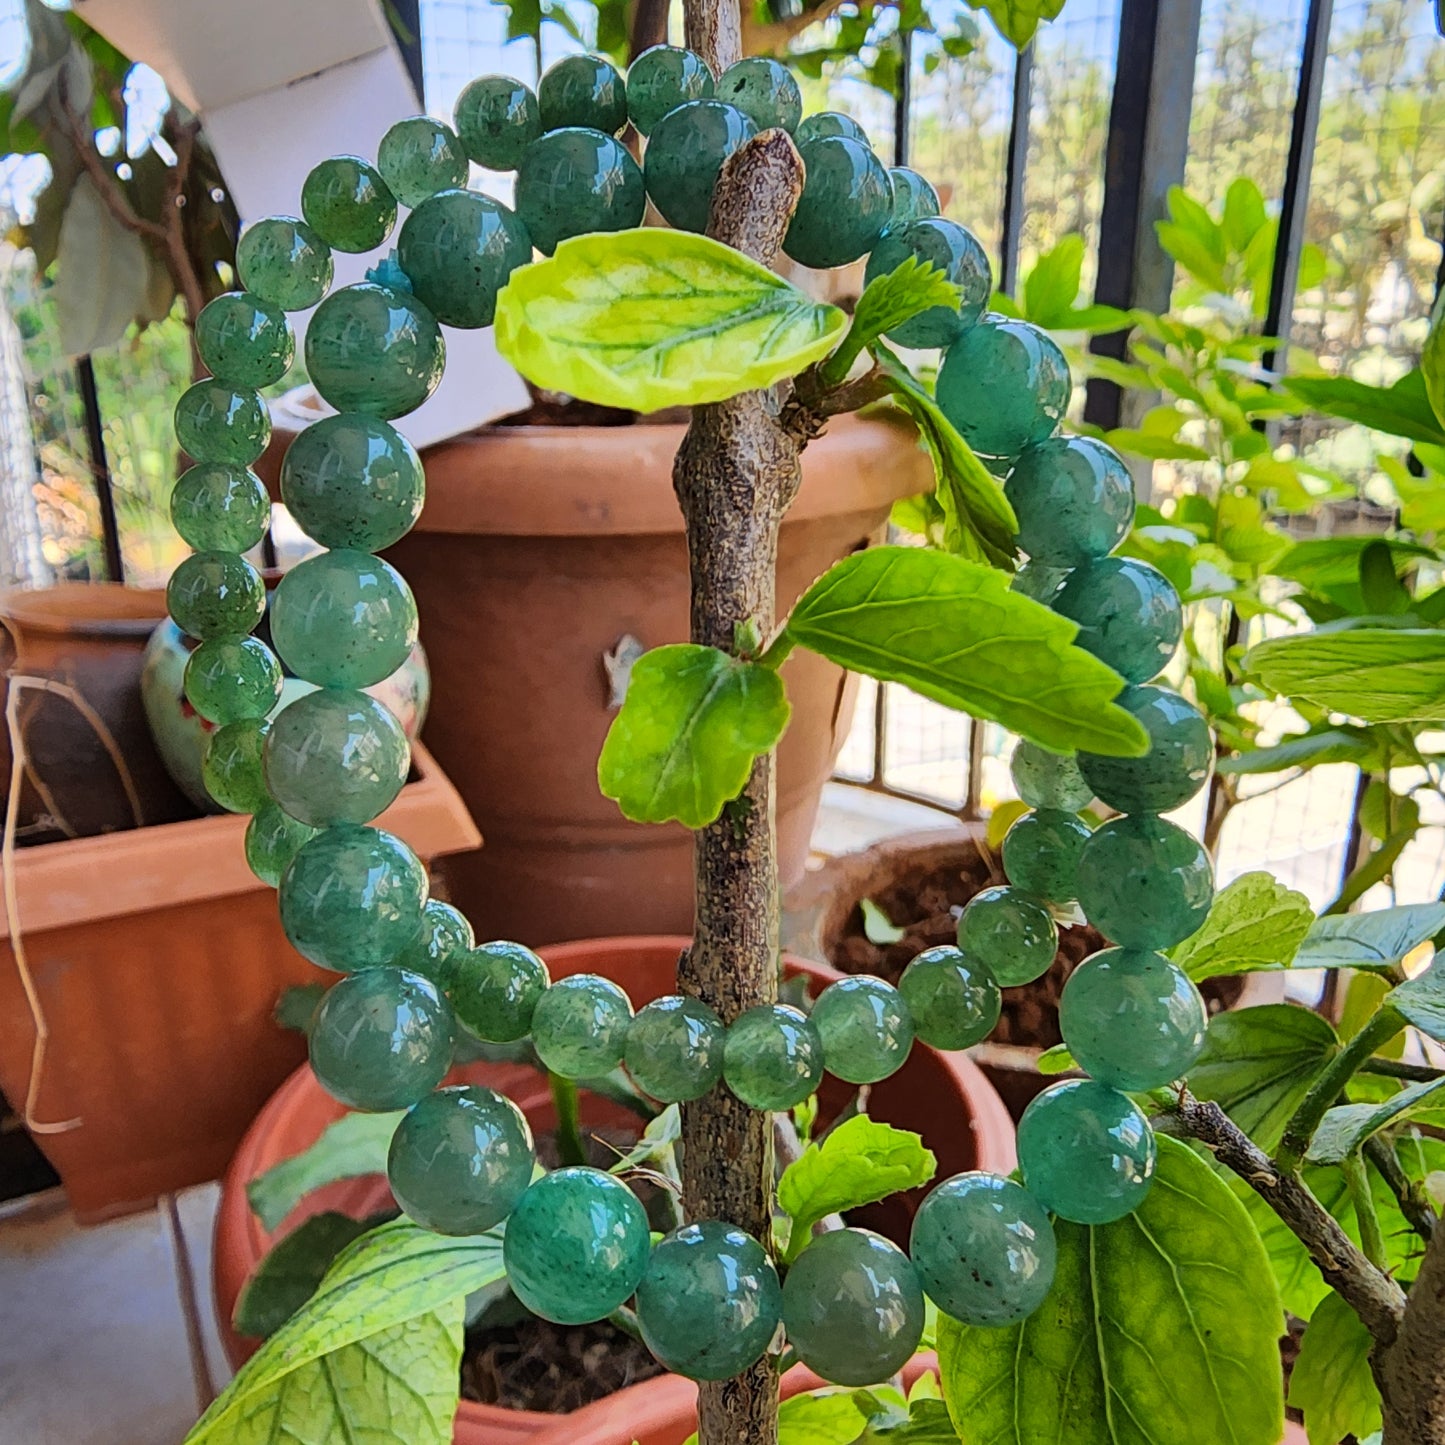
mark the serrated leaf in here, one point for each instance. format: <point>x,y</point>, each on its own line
<point>652,318</point>
<point>912,287</point>
<point>1345,1127</point>
<point>100,274</point>
<point>1369,940</point>
<point>1422,999</point>
<point>692,724</point>
<point>1255,923</point>
<point>953,631</point>
<point>1331,1380</point>
<point>1162,1327</point>
<point>877,928</point>
<point>1377,674</point>
<point>354,1146</point>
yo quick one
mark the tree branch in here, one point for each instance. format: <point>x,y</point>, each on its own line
<point>101,176</point>
<point>1414,1203</point>
<point>1410,1372</point>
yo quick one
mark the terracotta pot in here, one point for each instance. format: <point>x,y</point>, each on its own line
<point>158,959</point>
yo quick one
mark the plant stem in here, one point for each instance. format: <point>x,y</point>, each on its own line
<point>1398,1069</point>
<point>1414,1203</point>
<point>1358,1183</point>
<point>569,1130</point>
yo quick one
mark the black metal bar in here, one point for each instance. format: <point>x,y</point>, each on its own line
<point>405,17</point>
<point>1013,187</point>
<point>100,471</point>
<point>903,101</point>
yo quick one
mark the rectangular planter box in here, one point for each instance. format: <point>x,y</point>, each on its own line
<point>158,958</point>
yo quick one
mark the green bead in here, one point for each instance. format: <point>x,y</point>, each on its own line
<point>1177,765</point>
<point>374,349</point>
<point>1074,500</point>
<point>346,202</point>
<point>865,1027</point>
<point>1012,935</point>
<point>495,988</point>
<point>343,619</point>
<point>846,202</point>
<point>229,678</point>
<point>284,262</point>
<point>419,157</point>
<point>575,181</point>
<point>829,122</point>
<point>772,1057</point>
<point>243,341</point>
<point>660,80</point>
<point>853,1307</point>
<point>215,594</point>
<point>579,1026</point>
<point>1145,883</point>
<point>273,839</point>
<point>913,198</point>
<point>576,1246</point>
<point>1039,582</point>
<point>220,507</point>
<point>1004,385</point>
<point>458,249</point>
<point>336,756</point>
<point>216,422</point>
<point>709,1303</point>
<point>1128,614</point>
<point>1048,780</point>
<point>953,250</point>
<point>675,1049</point>
<point>381,1039</point>
<point>231,765</point>
<point>1132,1019</point>
<point>583,90</point>
<point>764,90</point>
<point>686,155</point>
<point>352,898</point>
<point>1086,1151</point>
<point>460,1160</point>
<point>497,118</point>
<point>1041,854</point>
<point>954,1002</point>
<point>444,935</point>
<point>353,481</point>
<point>984,1250</point>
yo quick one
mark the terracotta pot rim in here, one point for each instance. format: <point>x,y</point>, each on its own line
<point>85,609</point>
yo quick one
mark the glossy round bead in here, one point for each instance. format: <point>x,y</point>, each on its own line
<point>229,678</point>
<point>284,262</point>
<point>1004,385</point>
<point>231,765</point>
<point>1012,935</point>
<point>953,1001</point>
<point>497,118</point>
<point>1132,1019</point>
<point>853,1307</point>
<point>865,1027</point>
<point>846,202</point>
<point>273,839</point>
<point>1086,1151</point>
<point>1041,854</point>
<point>953,250</point>
<point>220,507</point>
<point>764,90</point>
<point>215,594</point>
<point>495,988</point>
<point>343,619</point>
<point>336,756</point>
<point>1145,883</point>
<point>675,1049</point>
<point>1048,780</point>
<point>459,248</point>
<point>1039,582</point>
<point>1074,500</point>
<point>460,1160</point>
<point>444,936</point>
<point>353,481</point>
<point>576,1246</point>
<point>381,1039</point>
<point>686,154</point>
<point>913,198</point>
<point>243,341</point>
<point>772,1057</point>
<point>662,78</point>
<point>1177,765</point>
<point>374,349</point>
<point>579,1026</point>
<point>1128,614</point>
<point>828,122</point>
<point>420,156</point>
<point>984,1250</point>
<point>574,181</point>
<point>346,202</point>
<point>583,90</point>
<point>216,422</point>
<point>710,1301</point>
<point>352,898</point>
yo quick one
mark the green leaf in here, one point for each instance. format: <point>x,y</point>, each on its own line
<point>953,631</point>
<point>1345,1127</point>
<point>1403,409</point>
<point>354,1146</point>
<point>657,1141</point>
<point>1057,1060</point>
<point>1422,999</point>
<point>1244,213</point>
<point>914,286</point>
<point>100,274</point>
<point>1160,1328</point>
<point>692,724</point>
<point>1052,287</point>
<point>1304,750</point>
<point>1017,20</point>
<point>1432,360</point>
<point>1255,923</point>
<point>859,1162</point>
<point>1377,674</point>
<point>1369,940</point>
<point>876,927</point>
<point>297,1006</point>
<point>1331,1380</point>
<point>926,1423</point>
<point>653,318</point>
